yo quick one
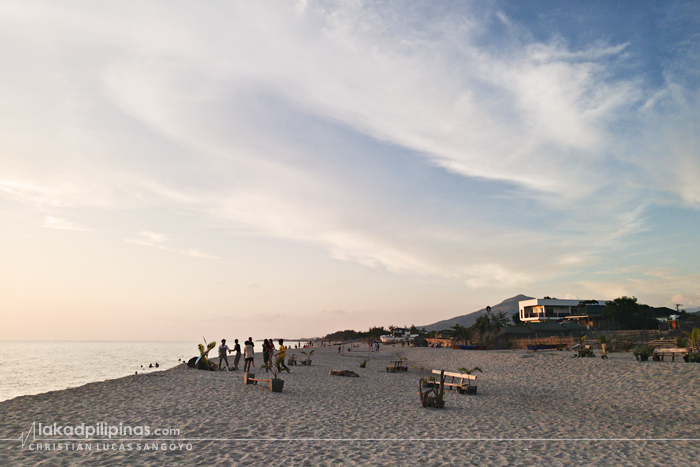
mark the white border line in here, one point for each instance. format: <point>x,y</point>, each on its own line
<point>390,440</point>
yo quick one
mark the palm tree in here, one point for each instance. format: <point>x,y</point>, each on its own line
<point>482,325</point>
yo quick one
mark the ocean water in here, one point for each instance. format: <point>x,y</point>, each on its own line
<point>36,367</point>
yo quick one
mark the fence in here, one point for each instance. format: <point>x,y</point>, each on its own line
<point>614,338</point>
<point>522,343</point>
<point>632,336</point>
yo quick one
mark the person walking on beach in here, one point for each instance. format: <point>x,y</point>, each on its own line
<point>266,354</point>
<point>248,355</point>
<point>272,351</point>
<point>280,356</point>
<point>223,349</point>
<point>237,358</point>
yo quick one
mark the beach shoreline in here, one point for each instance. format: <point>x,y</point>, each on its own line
<point>35,367</point>
<point>530,407</point>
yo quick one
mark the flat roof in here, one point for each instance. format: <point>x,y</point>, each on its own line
<point>553,301</point>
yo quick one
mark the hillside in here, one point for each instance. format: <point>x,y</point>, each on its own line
<point>510,306</point>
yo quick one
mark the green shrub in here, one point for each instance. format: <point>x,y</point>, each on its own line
<point>695,337</point>
<point>626,346</point>
<point>644,350</point>
<point>681,343</point>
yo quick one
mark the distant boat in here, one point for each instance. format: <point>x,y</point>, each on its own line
<point>468,347</point>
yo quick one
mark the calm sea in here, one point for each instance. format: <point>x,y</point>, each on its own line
<point>36,367</point>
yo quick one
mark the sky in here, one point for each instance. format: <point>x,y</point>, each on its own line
<point>175,169</point>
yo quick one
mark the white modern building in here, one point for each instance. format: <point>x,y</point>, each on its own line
<point>398,334</point>
<point>552,309</point>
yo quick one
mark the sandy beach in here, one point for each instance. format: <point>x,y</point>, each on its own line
<point>543,408</point>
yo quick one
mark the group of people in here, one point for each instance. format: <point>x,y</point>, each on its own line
<point>224,350</point>
<point>249,355</point>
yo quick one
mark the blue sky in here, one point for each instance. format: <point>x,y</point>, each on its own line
<point>293,168</point>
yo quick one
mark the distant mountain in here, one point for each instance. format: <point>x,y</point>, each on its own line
<point>510,306</point>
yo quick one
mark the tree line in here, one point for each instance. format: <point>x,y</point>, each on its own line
<point>374,333</point>
<point>622,313</point>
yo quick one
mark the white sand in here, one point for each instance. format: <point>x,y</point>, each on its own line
<point>531,409</point>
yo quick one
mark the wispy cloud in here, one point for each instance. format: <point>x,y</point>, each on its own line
<point>159,241</point>
<point>397,138</point>
<point>660,283</point>
<point>201,254</point>
<point>61,224</point>
<point>31,194</point>
<point>148,239</point>
<point>153,237</point>
<point>496,276</point>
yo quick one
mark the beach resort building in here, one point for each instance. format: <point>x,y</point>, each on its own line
<point>538,310</point>
<point>398,334</point>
